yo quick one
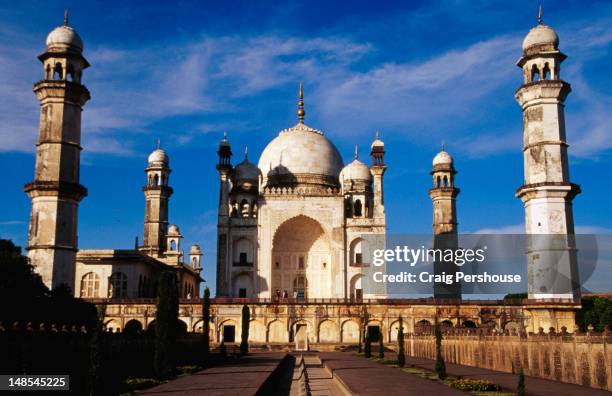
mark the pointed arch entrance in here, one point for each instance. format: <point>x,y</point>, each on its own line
<point>301,259</point>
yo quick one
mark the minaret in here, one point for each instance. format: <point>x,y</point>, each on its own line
<point>224,167</point>
<point>547,192</point>
<point>443,195</point>
<point>378,168</point>
<point>157,194</point>
<point>56,190</point>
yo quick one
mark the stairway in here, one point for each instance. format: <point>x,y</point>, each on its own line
<point>312,378</point>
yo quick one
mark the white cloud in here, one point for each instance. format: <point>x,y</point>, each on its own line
<point>437,91</point>
<point>424,100</point>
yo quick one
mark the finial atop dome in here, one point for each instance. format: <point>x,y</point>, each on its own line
<point>224,141</point>
<point>377,141</point>
<point>246,152</point>
<point>158,143</point>
<point>442,146</point>
<point>301,112</point>
<point>64,38</point>
<point>540,13</point>
<point>356,151</point>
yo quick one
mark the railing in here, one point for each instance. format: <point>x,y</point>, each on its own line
<point>364,301</point>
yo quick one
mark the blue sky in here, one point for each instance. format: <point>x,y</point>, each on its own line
<point>420,72</point>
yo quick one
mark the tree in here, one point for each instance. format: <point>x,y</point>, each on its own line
<point>401,357</point>
<point>521,383</point>
<point>246,319</point>
<point>166,319</point>
<point>37,304</point>
<point>206,322</point>
<point>96,382</point>
<point>440,366</point>
<point>596,311</point>
<point>381,347</point>
<point>367,345</point>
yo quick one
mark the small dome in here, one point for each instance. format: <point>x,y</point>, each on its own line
<point>356,170</point>
<point>63,37</point>
<point>195,249</point>
<point>443,158</point>
<point>377,143</point>
<point>159,156</point>
<point>246,171</point>
<point>541,35</point>
<point>224,142</point>
<point>173,230</point>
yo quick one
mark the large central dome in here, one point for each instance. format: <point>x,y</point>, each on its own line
<point>300,156</point>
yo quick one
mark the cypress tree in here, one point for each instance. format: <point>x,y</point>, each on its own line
<point>206,322</point>
<point>401,357</point>
<point>95,381</point>
<point>381,347</point>
<point>440,365</point>
<point>166,323</point>
<point>246,319</point>
<point>521,383</point>
<point>368,345</point>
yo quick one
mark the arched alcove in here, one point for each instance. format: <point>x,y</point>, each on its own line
<point>302,249</point>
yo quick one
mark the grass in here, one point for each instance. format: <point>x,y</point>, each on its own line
<point>432,376</point>
<point>136,384</point>
<point>186,370</point>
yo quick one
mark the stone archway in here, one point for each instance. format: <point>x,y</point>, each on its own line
<point>350,332</point>
<point>257,332</point>
<point>242,284</point>
<point>301,259</point>
<point>356,288</point>
<point>328,332</point>
<point>277,332</point>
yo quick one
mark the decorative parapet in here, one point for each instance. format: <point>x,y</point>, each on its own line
<point>304,190</point>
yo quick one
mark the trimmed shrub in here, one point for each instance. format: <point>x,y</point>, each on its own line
<point>474,385</point>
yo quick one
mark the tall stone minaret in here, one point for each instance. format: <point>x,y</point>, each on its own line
<point>56,191</point>
<point>547,192</point>
<point>443,195</point>
<point>224,167</point>
<point>378,168</point>
<point>157,195</point>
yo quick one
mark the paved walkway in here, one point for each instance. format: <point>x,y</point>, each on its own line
<point>533,386</point>
<point>365,377</point>
<point>335,373</point>
<point>320,380</point>
<point>244,378</point>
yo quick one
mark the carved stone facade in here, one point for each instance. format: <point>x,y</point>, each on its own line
<point>329,323</point>
<point>293,225</point>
